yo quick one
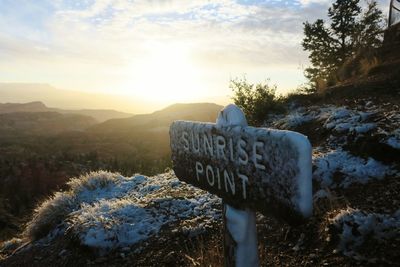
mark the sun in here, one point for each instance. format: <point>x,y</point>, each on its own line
<point>166,73</point>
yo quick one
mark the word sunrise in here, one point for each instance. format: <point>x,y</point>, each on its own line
<point>262,169</point>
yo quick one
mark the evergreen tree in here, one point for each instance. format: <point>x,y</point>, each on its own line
<point>319,42</point>
<point>344,27</point>
<point>371,24</point>
<point>331,45</point>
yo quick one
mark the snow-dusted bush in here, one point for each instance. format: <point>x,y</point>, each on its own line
<point>140,212</point>
<point>110,224</point>
<point>48,214</point>
<point>106,211</point>
<point>92,181</point>
<point>55,209</point>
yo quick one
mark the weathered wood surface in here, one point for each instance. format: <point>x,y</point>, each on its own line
<point>261,169</point>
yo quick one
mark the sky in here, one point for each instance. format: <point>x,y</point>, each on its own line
<point>161,50</point>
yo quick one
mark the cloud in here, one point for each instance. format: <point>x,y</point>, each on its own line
<point>308,2</point>
<point>220,25</point>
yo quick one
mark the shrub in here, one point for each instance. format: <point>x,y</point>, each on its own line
<point>256,100</point>
<point>49,214</point>
<point>92,181</point>
<point>55,209</point>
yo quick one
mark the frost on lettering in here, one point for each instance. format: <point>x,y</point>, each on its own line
<point>263,169</point>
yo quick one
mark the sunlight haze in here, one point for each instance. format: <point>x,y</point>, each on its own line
<point>157,52</point>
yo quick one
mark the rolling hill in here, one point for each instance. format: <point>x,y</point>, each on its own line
<point>159,121</point>
<point>99,115</point>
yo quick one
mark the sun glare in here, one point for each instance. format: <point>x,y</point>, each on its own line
<point>165,73</point>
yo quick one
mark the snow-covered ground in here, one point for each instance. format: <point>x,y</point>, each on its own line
<point>107,211</point>
<point>334,167</point>
<point>337,119</point>
<point>344,120</point>
<point>344,125</point>
<point>348,169</point>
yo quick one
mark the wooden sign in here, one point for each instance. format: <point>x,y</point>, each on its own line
<point>261,169</point>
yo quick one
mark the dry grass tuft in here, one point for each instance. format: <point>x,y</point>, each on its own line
<point>48,214</point>
<point>367,64</point>
<point>92,181</point>
<point>206,253</point>
<point>55,209</point>
<point>11,244</point>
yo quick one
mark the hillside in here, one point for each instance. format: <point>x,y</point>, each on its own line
<point>109,220</point>
<point>99,115</point>
<point>159,121</point>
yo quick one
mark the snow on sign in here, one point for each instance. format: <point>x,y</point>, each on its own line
<point>261,169</point>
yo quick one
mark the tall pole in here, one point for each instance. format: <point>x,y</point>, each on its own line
<point>390,13</point>
<point>240,232</point>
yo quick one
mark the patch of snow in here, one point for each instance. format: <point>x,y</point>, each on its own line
<point>393,142</point>
<point>394,139</point>
<point>356,226</point>
<point>321,194</point>
<point>293,120</point>
<point>363,128</point>
<point>339,127</point>
<point>340,113</point>
<point>344,120</point>
<point>337,119</point>
<point>351,169</point>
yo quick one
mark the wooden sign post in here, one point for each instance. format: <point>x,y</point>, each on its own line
<point>251,169</point>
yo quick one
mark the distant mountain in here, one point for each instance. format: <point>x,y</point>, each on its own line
<point>69,99</point>
<point>42,123</point>
<point>159,121</point>
<point>100,115</point>
<point>23,107</point>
